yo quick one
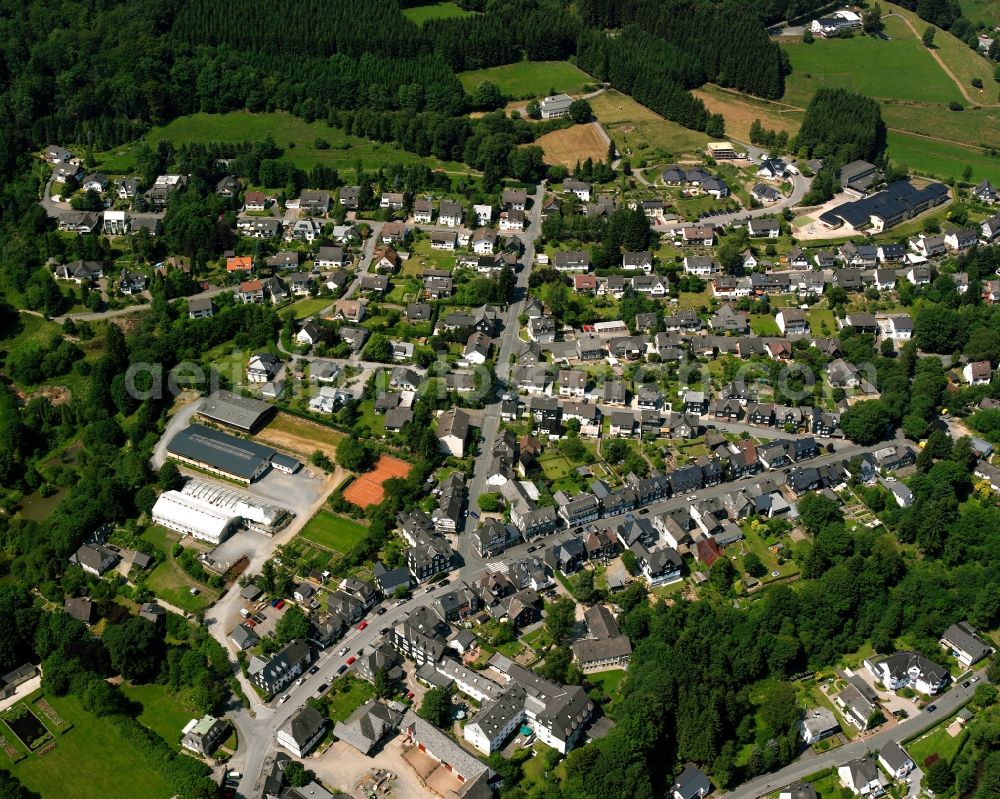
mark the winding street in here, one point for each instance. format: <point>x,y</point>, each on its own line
<point>947,703</point>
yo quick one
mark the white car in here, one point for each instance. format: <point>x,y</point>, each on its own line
<point>284,699</point>
<point>343,651</point>
<point>692,498</point>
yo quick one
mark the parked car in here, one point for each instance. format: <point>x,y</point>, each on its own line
<point>362,625</point>
<point>343,651</point>
<point>341,670</point>
<point>930,708</point>
<point>380,612</point>
<point>473,514</point>
<point>314,669</point>
<point>322,689</point>
<point>351,660</point>
<point>285,698</point>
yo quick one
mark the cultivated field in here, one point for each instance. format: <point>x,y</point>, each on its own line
<point>333,532</point>
<point>871,66</point>
<point>300,436</point>
<point>572,145</point>
<point>420,14</point>
<point>239,126</point>
<point>529,78</point>
<point>640,133</point>
<point>741,110</point>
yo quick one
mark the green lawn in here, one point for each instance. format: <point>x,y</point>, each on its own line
<point>239,126</point>
<point>420,14</point>
<point>529,78</point>
<point>162,711</point>
<point>555,466</point>
<point>818,317</point>
<point>870,66</point>
<point>935,741</point>
<point>310,306</point>
<point>169,581</point>
<point>333,532</point>
<point>764,325</point>
<point>344,702</point>
<point>90,761</point>
<point>941,159</point>
<point>609,681</point>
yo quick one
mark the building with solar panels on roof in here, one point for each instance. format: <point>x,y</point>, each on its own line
<point>233,458</point>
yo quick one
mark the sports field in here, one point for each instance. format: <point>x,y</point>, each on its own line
<point>297,137</point>
<point>420,14</point>
<point>367,488</point>
<point>574,145</point>
<point>333,532</point>
<point>529,78</point>
<point>640,133</point>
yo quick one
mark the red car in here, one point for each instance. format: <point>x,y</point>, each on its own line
<point>362,625</point>
<point>281,604</point>
<point>350,660</point>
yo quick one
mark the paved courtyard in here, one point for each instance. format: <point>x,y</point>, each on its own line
<point>341,766</point>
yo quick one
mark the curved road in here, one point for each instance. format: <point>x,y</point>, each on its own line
<point>947,703</point>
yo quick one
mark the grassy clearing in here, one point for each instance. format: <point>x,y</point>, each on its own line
<point>295,135</point>
<point>123,774</point>
<point>941,159</point>
<point>961,59</point>
<point>609,681</point>
<point>986,12</point>
<point>974,127</point>
<point>840,63</point>
<point>529,78</point>
<point>169,581</point>
<point>162,711</point>
<point>420,14</point>
<point>555,466</point>
<point>639,133</point>
<point>333,532</point>
<point>822,321</point>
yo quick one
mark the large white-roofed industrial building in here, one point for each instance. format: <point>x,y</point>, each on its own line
<point>211,512</point>
<point>192,516</point>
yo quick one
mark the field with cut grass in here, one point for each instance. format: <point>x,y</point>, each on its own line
<point>527,79</point>
<point>942,159</point>
<point>92,747</point>
<point>299,436</point>
<point>420,14</point>
<point>333,532</point>
<point>741,110</point>
<point>961,59</point>
<point>296,136</point>
<point>640,133</point>
<point>310,306</point>
<point>570,146</point>
<point>871,66</point>
<point>986,12</point>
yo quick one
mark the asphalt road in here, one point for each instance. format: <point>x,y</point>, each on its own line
<point>947,703</point>
<point>508,345</point>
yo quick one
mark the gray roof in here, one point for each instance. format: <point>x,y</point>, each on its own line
<point>304,725</point>
<point>368,725</point>
<point>894,756</point>
<point>233,410</point>
<point>227,453</point>
<point>964,637</point>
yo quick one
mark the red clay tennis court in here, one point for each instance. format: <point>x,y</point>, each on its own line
<point>367,488</point>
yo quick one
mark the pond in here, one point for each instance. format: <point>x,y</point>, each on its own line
<point>26,726</point>
<point>37,508</point>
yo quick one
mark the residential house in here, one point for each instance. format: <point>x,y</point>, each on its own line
<point>792,322</point>
<point>764,228</point>
<point>303,730</point>
<point>961,240</point>
<point>905,669</point>
<point>691,784</point>
<point>288,663</point>
<point>203,736</point>
<point>977,373</point>
<point>453,431</point>
<point>818,723</point>
<point>861,776</point>
<point>965,644</point>
<point>895,761</point>
<point>578,188</point>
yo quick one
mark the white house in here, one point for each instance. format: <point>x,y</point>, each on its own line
<point>861,777</point>
<point>908,669</point>
<point>895,761</point>
<point>484,214</point>
<point>302,732</point>
<point>977,373</point>
<point>792,321</point>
